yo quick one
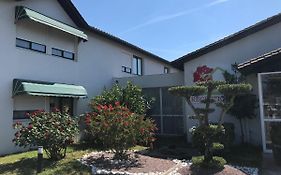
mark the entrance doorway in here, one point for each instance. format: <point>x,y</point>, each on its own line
<point>270,104</point>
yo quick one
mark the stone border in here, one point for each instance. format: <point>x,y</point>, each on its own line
<point>247,170</point>
<point>172,171</point>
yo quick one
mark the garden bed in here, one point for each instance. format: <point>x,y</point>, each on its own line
<point>103,163</point>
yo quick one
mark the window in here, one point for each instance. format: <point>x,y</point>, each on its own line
<point>126,69</point>
<point>137,66</point>
<point>63,54</point>
<point>166,70</point>
<point>30,45</point>
<point>57,52</point>
<point>22,114</point>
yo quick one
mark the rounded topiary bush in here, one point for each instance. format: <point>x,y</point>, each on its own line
<point>118,128</point>
<point>215,163</point>
<point>54,131</point>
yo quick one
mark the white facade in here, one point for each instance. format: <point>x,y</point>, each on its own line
<point>239,51</point>
<point>97,62</point>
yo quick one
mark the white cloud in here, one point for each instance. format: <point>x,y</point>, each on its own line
<point>172,16</point>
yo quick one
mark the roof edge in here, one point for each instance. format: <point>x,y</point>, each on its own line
<point>228,40</point>
<point>78,19</point>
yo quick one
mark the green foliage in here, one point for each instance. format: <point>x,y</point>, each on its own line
<point>204,136</point>
<point>54,131</point>
<point>210,84</point>
<point>130,96</point>
<point>234,89</point>
<point>217,146</point>
<point>118,128</point>
<point>244,106</point>
<point>188,91</point>
<point>215,163</point>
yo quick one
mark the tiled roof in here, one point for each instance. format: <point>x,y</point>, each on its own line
<point>228,40</point>
<point>261,58</point>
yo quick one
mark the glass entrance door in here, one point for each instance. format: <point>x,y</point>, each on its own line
<point>270,104</point>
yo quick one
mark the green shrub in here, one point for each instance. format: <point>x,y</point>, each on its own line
<point>215,163</point>
<point>118,128</point>
<point>130,96</point>
<point>206,134</point>
<point>227,138</point>
<point>54,131</point>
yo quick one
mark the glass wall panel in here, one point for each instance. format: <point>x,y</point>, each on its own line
<point>153,93</point>
<point>271,88</point>
<point>172,105</point>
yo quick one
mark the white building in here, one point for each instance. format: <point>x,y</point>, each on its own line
<point>49,41</point>
<point>45,41</point>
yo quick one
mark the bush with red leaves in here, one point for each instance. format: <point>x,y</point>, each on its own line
<point>54,131</point>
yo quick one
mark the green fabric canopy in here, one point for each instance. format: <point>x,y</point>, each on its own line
<point>26,13</point>
<point>40,88</point>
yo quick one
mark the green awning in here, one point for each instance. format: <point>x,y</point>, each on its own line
<point>47,89</point>
<point>26,13</point>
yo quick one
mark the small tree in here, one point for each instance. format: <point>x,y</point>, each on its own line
<point>54,131</point>
<point>206,133</point>
<point>245,105</point>
<point>118,128</point>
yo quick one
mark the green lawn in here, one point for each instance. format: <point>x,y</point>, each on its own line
<point>25,163</point>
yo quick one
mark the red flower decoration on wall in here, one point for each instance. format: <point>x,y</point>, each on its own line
<point>203,73</point>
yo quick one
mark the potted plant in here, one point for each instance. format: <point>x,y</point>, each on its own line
<point>275,134</point>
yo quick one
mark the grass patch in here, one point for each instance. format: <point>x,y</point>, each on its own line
<point>25,163</point>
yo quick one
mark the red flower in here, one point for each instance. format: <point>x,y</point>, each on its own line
<point>30,126</point>
<point>126,123</point>
<point>110,108</point>
<point>88,119</point>
<point>202,73</point>
<point>99,107</point>
<point>117,103</point>
<point>56,110</point>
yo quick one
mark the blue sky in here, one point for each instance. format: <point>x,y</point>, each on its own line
<point>172,28</point>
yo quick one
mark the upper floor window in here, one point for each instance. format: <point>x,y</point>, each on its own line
<point>126,69</point>
<point>166,70</point>
<point>137,65</point>
<point>62,53</point>
<point>30,45</point>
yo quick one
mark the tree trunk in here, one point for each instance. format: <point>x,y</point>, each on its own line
<point>242,131</point>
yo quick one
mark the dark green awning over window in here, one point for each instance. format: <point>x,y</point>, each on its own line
<point>47,89</point>
<point>26,13</point>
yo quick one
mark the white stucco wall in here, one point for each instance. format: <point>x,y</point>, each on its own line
<point>98,61</point>
<point>238,52</point>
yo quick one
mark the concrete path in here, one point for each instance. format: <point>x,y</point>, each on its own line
<point>269,167</point>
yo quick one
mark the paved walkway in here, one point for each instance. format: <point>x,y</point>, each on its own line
<point>269,167</point>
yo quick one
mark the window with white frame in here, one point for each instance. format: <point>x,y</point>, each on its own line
<point>166,70</point>
<point>137,65</point>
